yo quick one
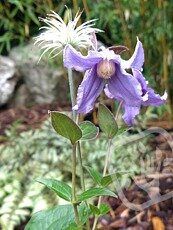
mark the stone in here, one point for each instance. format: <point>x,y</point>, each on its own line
<point>8,79</point>
<point>46,83</point>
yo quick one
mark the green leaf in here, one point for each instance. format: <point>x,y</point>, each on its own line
<point>65,126</point>
<point>94,192</point>
<point>59,217</point>
<point>122,130</point>
<point>107,121</point>
<point>106,180</point>
<point>94,210</point>
<point>104,208</point>
<point>84,213</point>
<point>89,130</point>
<point>62,189</point>
<point>94,174</point>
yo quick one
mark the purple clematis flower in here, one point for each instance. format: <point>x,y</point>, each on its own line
<point>107,70</point>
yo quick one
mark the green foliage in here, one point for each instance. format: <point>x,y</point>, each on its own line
<point>103,209</point>
<point>41,153</point>
<point>94,192</point>
<point>65,126</point>
<point>59,217</point>
<point>89,130</point>
<point>107,121</point>
<point>62,189</point>
<point>19,20</point>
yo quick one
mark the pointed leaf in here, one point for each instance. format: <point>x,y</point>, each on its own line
<point>65,126</point>
<point>89,130</point>
<point>59,217</point>
<point>104,209</point>
<point>94,192</point>
<point>94,174</point>
<point>106,180</point>
<point>94,210</point>
<point>62,189</point>
<point>122,130</point>
<point>107,121</point>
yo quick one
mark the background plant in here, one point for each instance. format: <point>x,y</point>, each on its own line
<point>41,153</point>
<point>121,20</point>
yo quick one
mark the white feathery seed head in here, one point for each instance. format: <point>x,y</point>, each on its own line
<point>57,34</point>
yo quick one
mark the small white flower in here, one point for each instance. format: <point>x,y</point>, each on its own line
<point>57,34</point>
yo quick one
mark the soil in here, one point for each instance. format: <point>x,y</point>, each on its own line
<point>158,216</point>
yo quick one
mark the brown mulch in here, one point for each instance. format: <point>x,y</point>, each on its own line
<point>28,118</point>
<point>158,216</point>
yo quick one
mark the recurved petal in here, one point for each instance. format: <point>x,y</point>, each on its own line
<point>88,91</point>
<point>130,113</point>
<point>149,96</point>
<point>125,87</point>
<point>137,59</point>
<point>154,99</point>
<point>74,59</point>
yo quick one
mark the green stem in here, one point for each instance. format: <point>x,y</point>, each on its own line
<point>72,91</point>
<point>107,156</point>
<point>80,166</point>
<point>76,119</point>
<point>74,184</point>
<point>75,147</point>
<point>118,110</point>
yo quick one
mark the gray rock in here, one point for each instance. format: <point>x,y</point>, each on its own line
<point>44,82</point>
<point>8,79</point>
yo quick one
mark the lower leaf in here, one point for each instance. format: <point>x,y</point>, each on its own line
<point>59,217</point>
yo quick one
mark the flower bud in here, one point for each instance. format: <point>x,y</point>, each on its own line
<point>105,69</point>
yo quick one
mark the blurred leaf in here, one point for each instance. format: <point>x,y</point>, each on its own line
<point>106,180</point>
<point>97,177</point>
<point>89,130</point>
<point>94,209</point>
<point>104,209</point>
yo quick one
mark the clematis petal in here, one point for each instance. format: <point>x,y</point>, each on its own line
<point>108,93</point>
<point>74,59</point>
<point>137,59</point>
<point>125,87</point>
<point>155,99</point>
<point>130,113</point>
<point>88,91</point>
<point>149,96</point>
